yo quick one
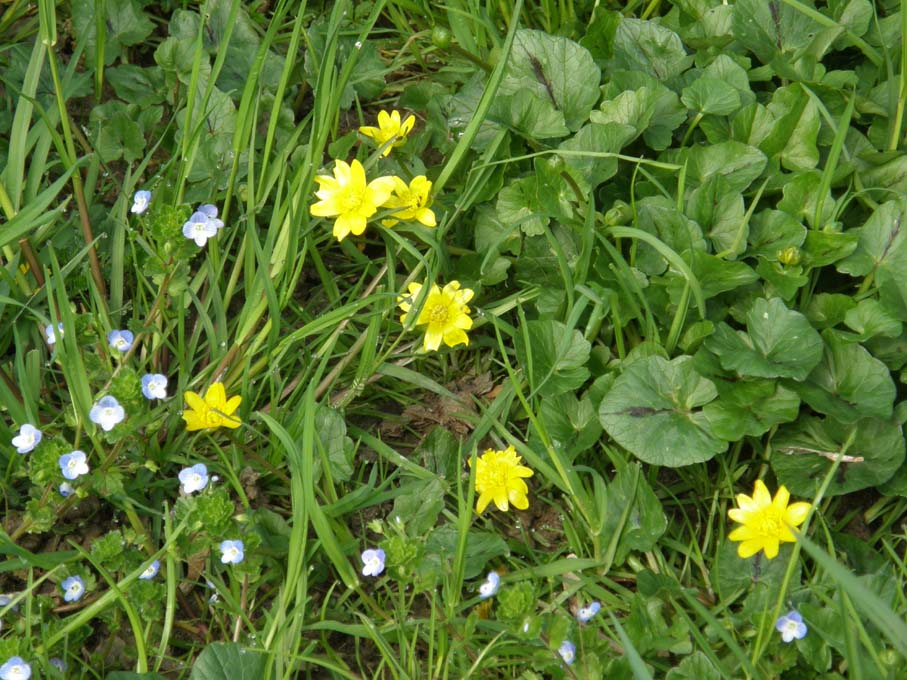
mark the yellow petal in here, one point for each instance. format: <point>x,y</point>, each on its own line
<point>749,548</point>
<point>761,497</point>
<point>196,403</point>
<point>770,544</point>
<point>433,338</point>
<point>520,500</point>
<point>455,337</point>
<point>796,513</point>
<point>743,533</point>
<point>216,396</point>
<point>325,208</point>
<point>482,503</point>
<point>194,421</point>
<point>407,125</point>
<point>501,500</point>
<point>739,515</point>
<point>781,499</point>
<point>231,405</point>
<point>426,217</point>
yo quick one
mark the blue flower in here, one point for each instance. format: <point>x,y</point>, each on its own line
<point>154,386</point>
<point>66,489</point>
<point>199,228</point>
<point>74,465</point>
<point>231,552</point>
<point>15,668</point>
<point>193,478</point>
<point>151,571</point>
<point>567,650</point>
<point>585,614</point>
<point>52,334</point>
<point>791,626</point>
<point>28,438</point>
<point>373,561</point>
<point>120,340</point>
<point>140,201</point>
<point>210,211</point>
<point>107,413</point>
<point>73,588</point>
<point>490,586</point>
<point>59,664</point>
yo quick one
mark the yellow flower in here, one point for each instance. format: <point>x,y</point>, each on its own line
<point>410,203</point>
<point>347,197</point>
<point>499,478</point>
<point>767,521</point>
<point>389,128</point>
<point>444,312</point>
<point>212,411</point>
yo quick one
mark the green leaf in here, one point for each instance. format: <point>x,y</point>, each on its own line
<point>717,276</point>
<point>828,309</point>
<point>634,511</point>
<point>116,134</point>
<point>127,675</point>
<point>653,411</point>
<point>772,29</point>
<point>594,138</point>
<point>529,115</point>
<point>338,448</point>
<point>869,319</point>
<point>719,211</point>
<point>801,196</point>
<point>124,24</point>
<point>668,113</point>
<point>772,231</point>
<point>634,108</point>
<point>570,422</point>
<point>649,47</point>
<point>779,343</point>
<point>554,70</point>
<point>419,505</point>
<point>481,548</point>
<point>796,128</point>
<point>518,204</point>
<point>555,357</point>
<point>228,661</point>
<point>783,281</point>
<point>882,242</point>
<point>694,667</point>
<point>659,216</point>
<point>711,96</point>
<point>803,452</point>
<point>823,248</point>
<point>750,408</point>
<point>849,383</point>
<point>738,163</point>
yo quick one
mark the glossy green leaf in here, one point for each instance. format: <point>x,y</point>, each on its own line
<point>654,410</point>
<point>804,451</point>
<point>778,343</point>
<point>849,383</point>
<point>228,661</point>
<point>554,70</point>
<point>555,357</point>
<point>750,408</point>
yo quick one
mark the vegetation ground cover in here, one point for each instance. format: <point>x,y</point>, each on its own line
<point>401,339</point>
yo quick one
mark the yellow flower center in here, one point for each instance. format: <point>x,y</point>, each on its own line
<point>439,314</point>
<point>212,418</point>
<point>769,523</point>
<point>352,199</point>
